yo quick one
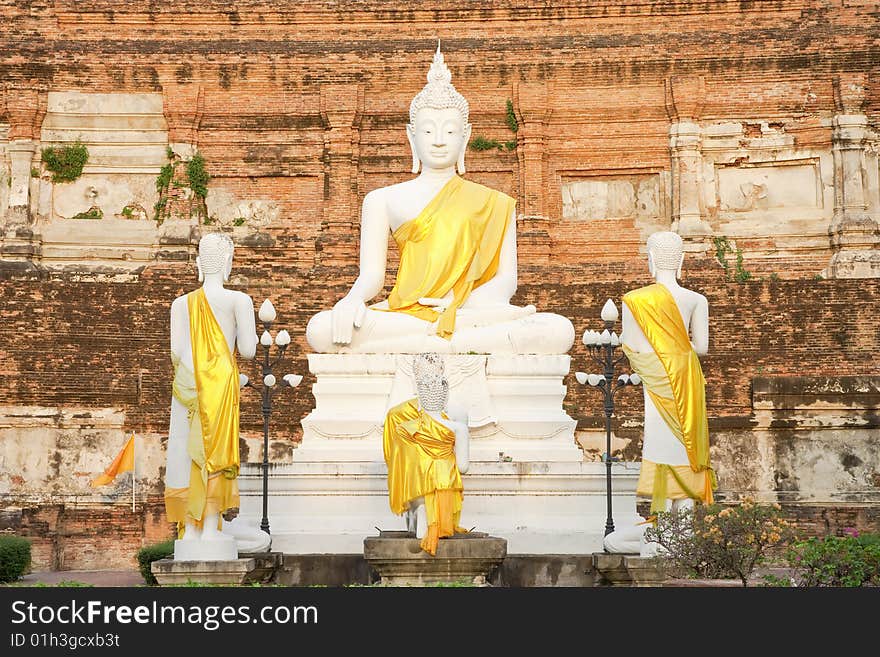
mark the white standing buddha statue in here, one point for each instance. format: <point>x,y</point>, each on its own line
<point>458,261</point>
<point>665,330</point>
<point>208,325</point>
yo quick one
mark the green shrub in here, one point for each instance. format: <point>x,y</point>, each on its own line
<point>850,561</point>
<point>15,557</point>
<point>150,553</point>
<point>719,542</point>
<point>65,162</point>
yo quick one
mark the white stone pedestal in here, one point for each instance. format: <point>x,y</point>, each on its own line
<point>514,405</point>
<point>527,482</point>
<point>223,548</point>
<point>174,572</point>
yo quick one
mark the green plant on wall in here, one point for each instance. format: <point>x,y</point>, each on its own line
<point>741,275</point>
<point>159,208</point>
<point>65,162</point>
<point>91,213</point>
<point>198,176</point>
<point>480,143</point>
<point>512,123</point>
<point>164,177</point>
<point>722,248</point>
<point>163,181</point>
<point>167,183</point>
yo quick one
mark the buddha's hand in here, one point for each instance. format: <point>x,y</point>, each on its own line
<point>495,314</point>
<point>439,305</point>
<point>347,315</point>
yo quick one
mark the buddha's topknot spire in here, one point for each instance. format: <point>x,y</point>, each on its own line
<point>439,93</point>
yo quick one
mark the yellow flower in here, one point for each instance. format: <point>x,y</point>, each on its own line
<point>709,519</point>
<point>725,512</point>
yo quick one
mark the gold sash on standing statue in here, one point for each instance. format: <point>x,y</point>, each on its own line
<point>420,454</point>
<point>210,393</point>
<point>453,244</point>
<point>674,380</point>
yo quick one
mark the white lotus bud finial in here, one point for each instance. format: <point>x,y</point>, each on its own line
<point>581,377</point>
<point>282,339</point>
<point>267,312</point>
<point>609,312</point>
<point>293,380</point>
<point>266,339</point>
<point>269,380</point>
<point>605,338</point>
<point>635,379</point>
<point>242,380</point>
<point>594,379</point>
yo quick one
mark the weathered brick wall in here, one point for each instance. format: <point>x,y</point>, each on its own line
<point>68,342</point>
<point>318,90</point>
<point>87,536</point>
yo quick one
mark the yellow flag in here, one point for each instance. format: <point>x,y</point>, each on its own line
<point>124,462</point>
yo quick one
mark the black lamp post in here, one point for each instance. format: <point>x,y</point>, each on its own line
<point>600,347</point>
<point>268,389</point>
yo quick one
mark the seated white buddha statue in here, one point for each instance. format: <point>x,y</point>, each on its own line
<point>458,264</point>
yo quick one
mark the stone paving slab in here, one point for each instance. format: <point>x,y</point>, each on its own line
<point>125,578</point>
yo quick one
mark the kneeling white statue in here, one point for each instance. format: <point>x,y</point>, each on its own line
<point>426,452</point>
<point>458,262</point>
<point>665,328</point>
<point>207,326</point>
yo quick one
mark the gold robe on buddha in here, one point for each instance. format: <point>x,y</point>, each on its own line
<point>453,244</point>
<point>420,455</point>
<point>210,393</point>
<point>672,375</point>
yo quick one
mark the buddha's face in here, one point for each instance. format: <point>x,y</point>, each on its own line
<point>438,136</point>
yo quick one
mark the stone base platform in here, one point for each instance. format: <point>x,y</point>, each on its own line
<point>516,571</point>
<point>628,570</point>
<point>528,481</point>
<point>539,507</point>
<point>172,572</point>
<point>398,558</point>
